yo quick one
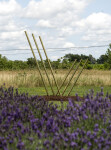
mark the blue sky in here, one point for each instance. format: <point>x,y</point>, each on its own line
<point>98,6</point>
<point>61,24</point>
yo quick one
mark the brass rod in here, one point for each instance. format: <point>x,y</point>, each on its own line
<point>77,77</point>
<point>71,78</point>
<point>36,61</point>
<point>42,62</point>
<point>67,75</point>
<point>49,64</point>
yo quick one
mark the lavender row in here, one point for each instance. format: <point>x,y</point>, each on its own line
<point>28,123</point>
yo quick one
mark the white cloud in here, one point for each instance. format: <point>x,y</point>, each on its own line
<point>9,27</point>
<point>66,31</point>
<point>95,21</point>
<point>56,21</point>
<point>57,14</point>
<point>9,7</point>
<point>51,8</point>
<point>44,24</point>
<point>97,27</point>
<point>69,44</point>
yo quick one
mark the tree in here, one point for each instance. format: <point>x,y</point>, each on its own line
<point>102,59</point>
<point>72,57</point>
<point>31,62</point>
<point>84,57</point>
<point>108,54</point>
<point>3,62</point>
<point>92,59</point>
<point>56,64</point>
<point>10,65</point>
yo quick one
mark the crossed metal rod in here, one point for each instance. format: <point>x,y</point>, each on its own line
<point>71,77</point>
<point>66,76</point>
<point>43,63</point>
<point>77,77</point>
<point>58,88</point>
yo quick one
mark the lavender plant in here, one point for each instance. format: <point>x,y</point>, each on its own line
<point>31,123</point>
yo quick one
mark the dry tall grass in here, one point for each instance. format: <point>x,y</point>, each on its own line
<point>32,78</point>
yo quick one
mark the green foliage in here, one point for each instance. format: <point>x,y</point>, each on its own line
<point>108,53</point>
<point>3,62</point>
<point>91,59</point>
<point>102,59</point>
<point>102,63</point>
<point>72,57</point>
<point>65,64</point>
<point>89,67</point>
<point>106,66</point>
<point>31,62</point>
<point>19,65</point>
<point>46,63</point>
<point>98,66</point>
<point>56,64</point>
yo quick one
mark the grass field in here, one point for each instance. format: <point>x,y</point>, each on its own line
<point>29,81</point>
<point>32,78</point>
<point>80,90</point>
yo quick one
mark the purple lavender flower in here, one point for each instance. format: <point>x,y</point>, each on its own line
<point>85,117</point>
<point>20,145</point>
<point>77,126</point>
<point>73,144</point>
<point>89,144</point>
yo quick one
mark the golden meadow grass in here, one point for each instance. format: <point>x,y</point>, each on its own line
<point>31,78</point>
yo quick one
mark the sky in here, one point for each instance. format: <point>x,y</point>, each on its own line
<point>65,26</point>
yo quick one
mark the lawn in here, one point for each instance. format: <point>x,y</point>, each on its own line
<point>80,90</point>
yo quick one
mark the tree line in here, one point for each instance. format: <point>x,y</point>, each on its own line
<point>103,62</point>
